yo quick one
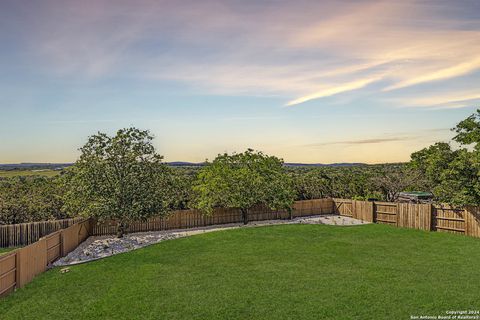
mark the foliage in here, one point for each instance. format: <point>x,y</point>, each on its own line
<point>394,179</point>
<point>468,131</point>
<point>286,272</point>
<point>360,182</point>
<point>119,177</point>
<point>454,175</point>
<point>182,180</point>
<point>27,199</point>
<point>243,180</point>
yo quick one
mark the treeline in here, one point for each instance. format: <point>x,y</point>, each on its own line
<point>33,198</point>
<point>123,177</point>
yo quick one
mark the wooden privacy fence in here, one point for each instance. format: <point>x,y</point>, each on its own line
<point>20,266</point>
<point>21,234</point>
<point>441,218</point>
<point>184,219</point>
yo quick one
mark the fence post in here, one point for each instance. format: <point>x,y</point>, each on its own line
<point>62,243</point>
<point>397,214</point>
<point>17,269</point>
<point>431,213</point>
<point>371,217</point>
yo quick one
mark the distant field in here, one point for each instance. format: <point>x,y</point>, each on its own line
<point>20,173</point>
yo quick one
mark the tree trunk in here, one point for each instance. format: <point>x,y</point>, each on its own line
<point>290,213</point>
<point>121,228</point>
<point>245,215</point>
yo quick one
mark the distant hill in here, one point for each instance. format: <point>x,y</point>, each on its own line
<point>58,166</point>
<point>340,164</point>
<point>34,166</point>
<point>185,164</point>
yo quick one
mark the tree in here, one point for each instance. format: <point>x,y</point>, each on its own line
<point>313,184</point>
<point>468,131</point>
<point>454,175</point>
<point>120,177</point>
<point>243,180</point>
<point>393,180</point>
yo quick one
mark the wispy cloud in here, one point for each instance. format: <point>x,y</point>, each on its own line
<point>334,90</point>
<point>446,73</point>
<point>441,100</point>
<point>362,141</point>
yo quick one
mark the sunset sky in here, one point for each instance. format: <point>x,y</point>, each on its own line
<point>308,81</point>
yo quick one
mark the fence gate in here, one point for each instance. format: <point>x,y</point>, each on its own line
<point>344,207</point>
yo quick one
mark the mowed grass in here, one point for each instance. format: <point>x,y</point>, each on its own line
<point>5,250</point>
<point>27,173</point>
<point>279,272</point>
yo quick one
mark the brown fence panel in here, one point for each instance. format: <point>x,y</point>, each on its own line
<point>54,246</point>
<point>362,210</point>
<point>472,221</point>
<point>70,239</point>
<point>31,261</point>
<point>8,269</point>
<point>72,236</point>
<point>416,216</point>
<point>343,207</point>
<point>449,219</point>
<point>385,213</point>
<point>312,207</point>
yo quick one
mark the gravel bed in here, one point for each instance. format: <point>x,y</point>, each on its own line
<point>97,247</point>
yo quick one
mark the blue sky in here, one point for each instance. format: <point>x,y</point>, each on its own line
<point>308,81</point>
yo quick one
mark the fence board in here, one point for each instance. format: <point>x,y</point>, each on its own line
<point>386,213</point>
<point>8,269</point>
<point>416,216</point>
<point>472,221</point>
<point>449,219</point>
<point>31,261</point>
<point>363,210</point>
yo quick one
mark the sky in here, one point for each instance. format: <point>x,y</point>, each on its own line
<point>307,81</point>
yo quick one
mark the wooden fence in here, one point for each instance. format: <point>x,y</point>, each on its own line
<point>441,218</point>
<point>184,219</point>
<point>20,266</point>
<point>21,234</point>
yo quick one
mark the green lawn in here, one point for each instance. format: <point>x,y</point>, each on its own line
<point>5,250</point>
<point>279,272</point>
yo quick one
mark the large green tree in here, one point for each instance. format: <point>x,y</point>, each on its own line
<point>243,180</point>
<point>454,174</point>
<point>119,177</point>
